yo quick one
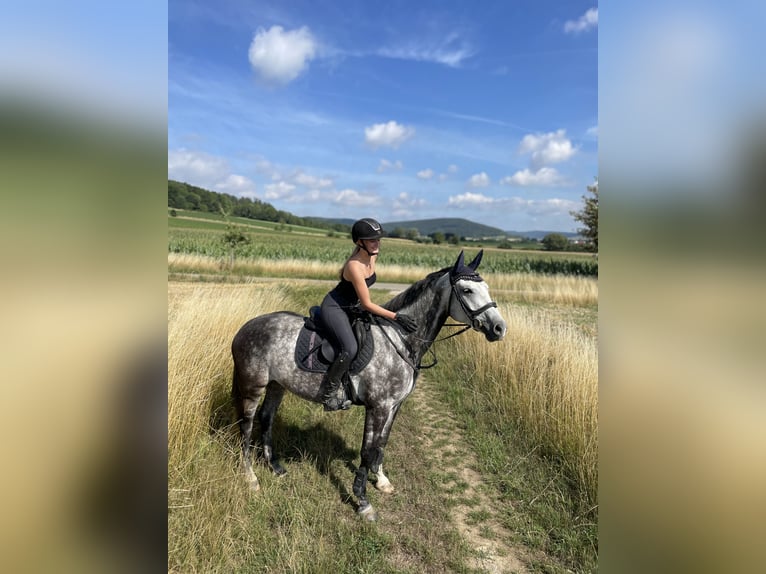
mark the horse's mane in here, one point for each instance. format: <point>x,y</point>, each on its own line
<point>415,291</point>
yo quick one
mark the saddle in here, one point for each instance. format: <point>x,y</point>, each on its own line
<point>314,351</point>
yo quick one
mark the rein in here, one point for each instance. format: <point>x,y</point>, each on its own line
<point>470,313</point>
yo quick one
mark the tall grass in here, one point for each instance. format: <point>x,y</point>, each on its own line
<point>296,523</point>
<point>537,393</point>
<point>201,321</point>
<point>572,290</point>
<point>531,396</point>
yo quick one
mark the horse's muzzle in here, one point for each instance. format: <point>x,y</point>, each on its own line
<point>493,331</point>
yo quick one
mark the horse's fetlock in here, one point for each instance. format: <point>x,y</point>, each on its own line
<point>374,458</point>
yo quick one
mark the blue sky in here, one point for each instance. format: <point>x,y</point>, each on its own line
<point>486,110</point>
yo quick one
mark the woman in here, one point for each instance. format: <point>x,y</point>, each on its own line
<point>356,277</point>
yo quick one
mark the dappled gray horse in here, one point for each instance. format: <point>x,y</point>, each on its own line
<point>264,362</point>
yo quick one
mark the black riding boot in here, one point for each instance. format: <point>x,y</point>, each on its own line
<point>335,397</point>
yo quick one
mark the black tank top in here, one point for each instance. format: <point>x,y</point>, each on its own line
<point>345,293</point>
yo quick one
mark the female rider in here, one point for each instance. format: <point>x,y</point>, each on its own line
<point>356,277</point>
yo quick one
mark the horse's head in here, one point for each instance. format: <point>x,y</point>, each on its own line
<point>470,301</point>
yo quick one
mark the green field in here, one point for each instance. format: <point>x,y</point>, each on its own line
<point>267,240</point>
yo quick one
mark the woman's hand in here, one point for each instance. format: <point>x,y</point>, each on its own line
<point>406,321</point>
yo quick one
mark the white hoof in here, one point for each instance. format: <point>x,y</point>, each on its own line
<point>252,480</point>
<point>383,485</point>
<point>368,513</point>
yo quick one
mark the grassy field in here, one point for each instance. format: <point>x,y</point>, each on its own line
<point>204,236</point>
<point>525,408</point>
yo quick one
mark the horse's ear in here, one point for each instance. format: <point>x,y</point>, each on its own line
<point>476,260</point>
<point>459,263</point>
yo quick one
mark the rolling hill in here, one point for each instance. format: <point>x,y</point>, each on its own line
<point>454,226</point>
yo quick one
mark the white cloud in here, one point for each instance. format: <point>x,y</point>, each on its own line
<point>450,51</point>
<point>479,180</point>
<point>425,174</point>
<point>592,132</point>
<point>267,169</point>
<point>386,165</point>
<point>553,147</point>
<point>352,198</point>
<point>311,181</point>
<point>551,207</point>
<point>586,22</point>
<point>451,170</point>
<point>280,56</point>
<point>405,199</point>
<point>469,198</point>
<point>404,205</point>
<point>390,134</point>
<point>196,167</point>
<point>532,207</point>
<point>278,190</point>
<point>238,185</point>
<point>545,176</point>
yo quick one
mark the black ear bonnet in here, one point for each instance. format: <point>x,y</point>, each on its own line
<point>463,272</point>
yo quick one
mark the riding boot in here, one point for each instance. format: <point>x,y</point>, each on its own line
<point>335,396</point>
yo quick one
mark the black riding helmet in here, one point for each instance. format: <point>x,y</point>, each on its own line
<point>366,228</point>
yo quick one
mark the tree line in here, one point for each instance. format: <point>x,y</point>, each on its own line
<point>186,196</point>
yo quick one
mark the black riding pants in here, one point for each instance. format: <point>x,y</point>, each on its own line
<point>338,325</point>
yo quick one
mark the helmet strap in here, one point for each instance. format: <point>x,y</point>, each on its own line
<point>362,246</point>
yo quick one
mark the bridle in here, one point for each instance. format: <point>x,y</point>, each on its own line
<point>470,313</point>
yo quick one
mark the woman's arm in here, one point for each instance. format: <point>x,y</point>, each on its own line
<point>355,274</point>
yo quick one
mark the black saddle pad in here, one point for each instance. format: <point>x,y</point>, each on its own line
<point>308,355</point>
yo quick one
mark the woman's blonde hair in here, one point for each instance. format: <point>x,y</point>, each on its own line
<point>356,250</point>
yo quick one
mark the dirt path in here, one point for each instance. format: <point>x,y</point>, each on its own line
<point>464,490</point>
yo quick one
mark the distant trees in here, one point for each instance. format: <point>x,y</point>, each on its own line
<point>405,233</point>
<point>555,242</point>
<point>589,216</point>
<point>437,237</point>
<point>185,196</point>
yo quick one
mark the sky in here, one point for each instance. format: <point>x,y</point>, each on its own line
<point>397,110</point>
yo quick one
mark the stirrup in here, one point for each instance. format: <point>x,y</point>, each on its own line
<point>337,404</point>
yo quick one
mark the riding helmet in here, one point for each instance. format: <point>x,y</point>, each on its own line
<point>366,228</point>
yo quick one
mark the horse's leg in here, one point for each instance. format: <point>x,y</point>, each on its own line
<point>274,394</point>
<point>377,425</point>
<point>382,483</point>
<point>246,407</point>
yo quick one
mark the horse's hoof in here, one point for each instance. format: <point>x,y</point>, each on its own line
<point>367,513</point>
<point>279,470</point>
<point>254,485</point>
<point>385,487</point>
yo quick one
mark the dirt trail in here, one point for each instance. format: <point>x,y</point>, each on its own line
<point>464,489</point>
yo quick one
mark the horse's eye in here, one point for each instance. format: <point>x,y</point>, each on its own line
<point>467,291</point>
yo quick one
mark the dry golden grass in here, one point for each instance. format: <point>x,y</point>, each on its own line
<point>544,378</point>
<point>297,523</point>
<point>203,492</point>
<point>526,287</point>
<point>202,320</point>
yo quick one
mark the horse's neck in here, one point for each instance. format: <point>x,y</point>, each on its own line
<point>430,312</point>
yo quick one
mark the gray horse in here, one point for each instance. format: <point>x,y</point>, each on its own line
<point>264,362</point>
